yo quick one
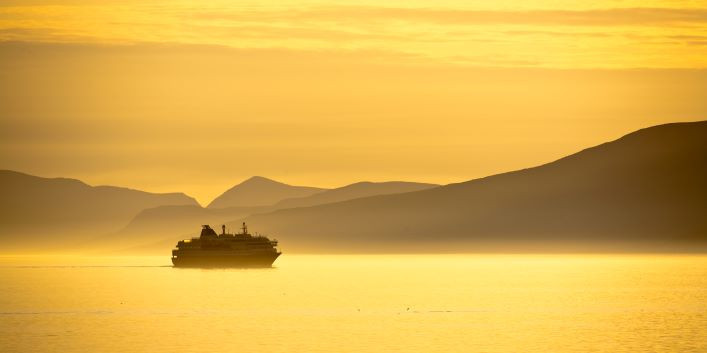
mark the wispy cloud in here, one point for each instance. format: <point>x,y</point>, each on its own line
<point>605,17</point>
<point>611,37</point>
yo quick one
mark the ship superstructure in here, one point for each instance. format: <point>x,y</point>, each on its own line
<point>225,250</point>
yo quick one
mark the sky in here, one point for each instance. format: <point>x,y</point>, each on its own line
<point>195,96</point>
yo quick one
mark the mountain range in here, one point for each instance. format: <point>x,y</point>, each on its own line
<point>56,209</point>
<point>646,191</point>
<point>642,192</point>
<point>48,212</point>
<point>166,222</point>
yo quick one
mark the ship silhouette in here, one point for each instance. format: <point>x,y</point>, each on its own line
<point>225,250</point>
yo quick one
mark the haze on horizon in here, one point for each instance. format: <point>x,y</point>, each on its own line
<point>193,97</point>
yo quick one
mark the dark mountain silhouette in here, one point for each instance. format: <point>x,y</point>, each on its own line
<point>353,191</point>
<point>173,222</point>
<point>36,208</point>
<point>176,222</point>
<point>259,191</point>
<point>644,191</point>
<point>182,219</point>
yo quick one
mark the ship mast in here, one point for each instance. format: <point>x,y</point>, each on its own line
<point>245,229</point>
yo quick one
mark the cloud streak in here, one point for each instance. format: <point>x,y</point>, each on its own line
<point>561,38</point>
<point>605,17</point>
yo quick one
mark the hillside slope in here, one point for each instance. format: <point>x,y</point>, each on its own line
<point>45,208</point>
<point>353,191</point>
<point>176,222</point>
<point>644,191</point>
<point>260,191</point>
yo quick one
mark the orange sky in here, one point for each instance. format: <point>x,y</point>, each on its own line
<point>182,96</point>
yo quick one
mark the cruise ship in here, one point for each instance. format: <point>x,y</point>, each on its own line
<point>225,250</point>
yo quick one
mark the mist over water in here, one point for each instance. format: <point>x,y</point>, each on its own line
<point>352,303</point>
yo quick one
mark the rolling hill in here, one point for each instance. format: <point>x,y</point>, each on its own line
<point>176,222</point>
<point>646,191</point>
<point>260,191</point>
<point>353,191</point>
<point>36,208</point>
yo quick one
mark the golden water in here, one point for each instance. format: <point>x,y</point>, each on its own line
<point>410,303</point>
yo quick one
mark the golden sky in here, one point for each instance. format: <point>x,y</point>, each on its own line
<point>195,96</point>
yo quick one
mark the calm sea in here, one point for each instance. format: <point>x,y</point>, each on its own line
<point>410,303</point>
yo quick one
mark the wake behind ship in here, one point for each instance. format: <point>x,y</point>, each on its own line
<point>225,250</point>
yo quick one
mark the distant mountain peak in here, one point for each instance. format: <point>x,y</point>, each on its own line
<point>260,191</point>
<point>260,179</point>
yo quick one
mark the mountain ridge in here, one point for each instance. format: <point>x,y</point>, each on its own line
<point>353,191</point>
<point>645,185</point>
<point>260,191</point>
<point>176,220</point>
<point>641,190</point>
<point>64,205</point>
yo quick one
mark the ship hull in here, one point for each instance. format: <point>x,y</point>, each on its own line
<point>225,261</point>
